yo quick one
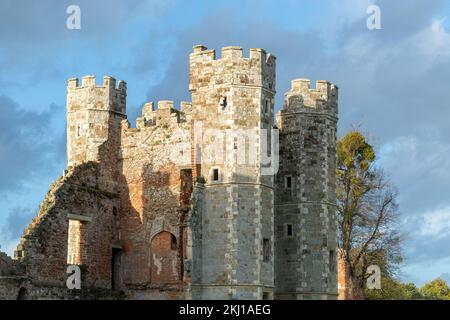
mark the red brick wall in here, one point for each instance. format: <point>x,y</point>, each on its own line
<point>347,288</point>
<point>164,260</point>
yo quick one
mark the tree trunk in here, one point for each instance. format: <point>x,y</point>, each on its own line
<point>349,288</point>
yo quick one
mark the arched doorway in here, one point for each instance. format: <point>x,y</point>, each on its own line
<point>164,258</point>
<point>23,294</point>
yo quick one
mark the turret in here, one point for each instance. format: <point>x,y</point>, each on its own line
<point>305,201</point>
<point>301,97</point>
<point>94,114</point>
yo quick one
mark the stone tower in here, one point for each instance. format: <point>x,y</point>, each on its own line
<point>194,202</point>
<point>305,205</point>
<point>232,101</point>
<point>94,115</point>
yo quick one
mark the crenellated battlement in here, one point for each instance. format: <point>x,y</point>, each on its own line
<point>90,81</point>
<point>164,114</point>
<point>323,97</point>
<point>230,53</point>
<point>110,95</point>
<point>232,68</point>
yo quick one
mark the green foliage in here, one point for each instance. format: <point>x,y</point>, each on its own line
<point>367,210</point>
<point>354,153</point>
<point>392,289</point>
<point>435,290</point>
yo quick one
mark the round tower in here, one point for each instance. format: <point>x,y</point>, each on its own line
<point>305,202</point>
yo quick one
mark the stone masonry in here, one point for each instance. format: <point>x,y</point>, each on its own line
<point>194,202</point>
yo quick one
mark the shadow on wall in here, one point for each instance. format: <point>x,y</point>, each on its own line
<point>154,203</point>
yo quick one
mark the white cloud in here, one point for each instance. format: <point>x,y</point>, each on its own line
<point>436,223</point>
<point>425,271</point>
<point>434,40</point>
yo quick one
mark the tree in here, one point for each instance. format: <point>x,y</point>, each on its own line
<point>367,210</point>
<point>435,290</point>
<point>392,289</point>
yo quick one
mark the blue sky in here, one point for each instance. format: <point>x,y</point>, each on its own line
<point>393,82</point>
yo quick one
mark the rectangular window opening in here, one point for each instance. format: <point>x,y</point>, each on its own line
<point>288,182</point>
<point>76,243</point>
<point>215,174</point>
<point>289,230</point>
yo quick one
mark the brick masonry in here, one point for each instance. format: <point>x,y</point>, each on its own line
<point>164,210</point>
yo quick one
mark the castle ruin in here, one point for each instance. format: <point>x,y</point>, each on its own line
<point>186,205</point>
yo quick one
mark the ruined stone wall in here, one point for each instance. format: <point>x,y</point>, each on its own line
<point>235,95</point>
<point>43,248</point>
<point>10,277</point>
<point>181,206</point>
<point>7,265</point>
<point>305,214</point>
<point>156,185</point>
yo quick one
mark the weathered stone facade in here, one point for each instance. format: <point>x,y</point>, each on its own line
<point>184,206</point>
<point>306,202</point>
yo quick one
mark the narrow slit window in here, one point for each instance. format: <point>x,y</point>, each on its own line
<point>266,250</point>
<point>173,242</point>
<point>332,261</point>
<point>266,106</point>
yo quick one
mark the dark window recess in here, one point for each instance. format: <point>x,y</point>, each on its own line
<point>266,296</point>
<point>223,103</point>
<point>332,261</point>
<point>23,294</point>
<point>216,174</point>
<point>288,182</point>
<point>266,250</point>
<point>115,214</point>
<point>186,186</point>
<point>266,106</point>
<point>116,260</point>
<point>173,242</point>
<point>289,230</point>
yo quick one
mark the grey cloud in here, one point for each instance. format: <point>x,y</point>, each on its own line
<point>399,19</point>
<point>17,219</point>
<point>389,84</point>
<point>29,146</point>
<point>405,17</point>
<point>34,37</point>
<point>296,52</point>
<point>45,20</point>
<point>426,248</point>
